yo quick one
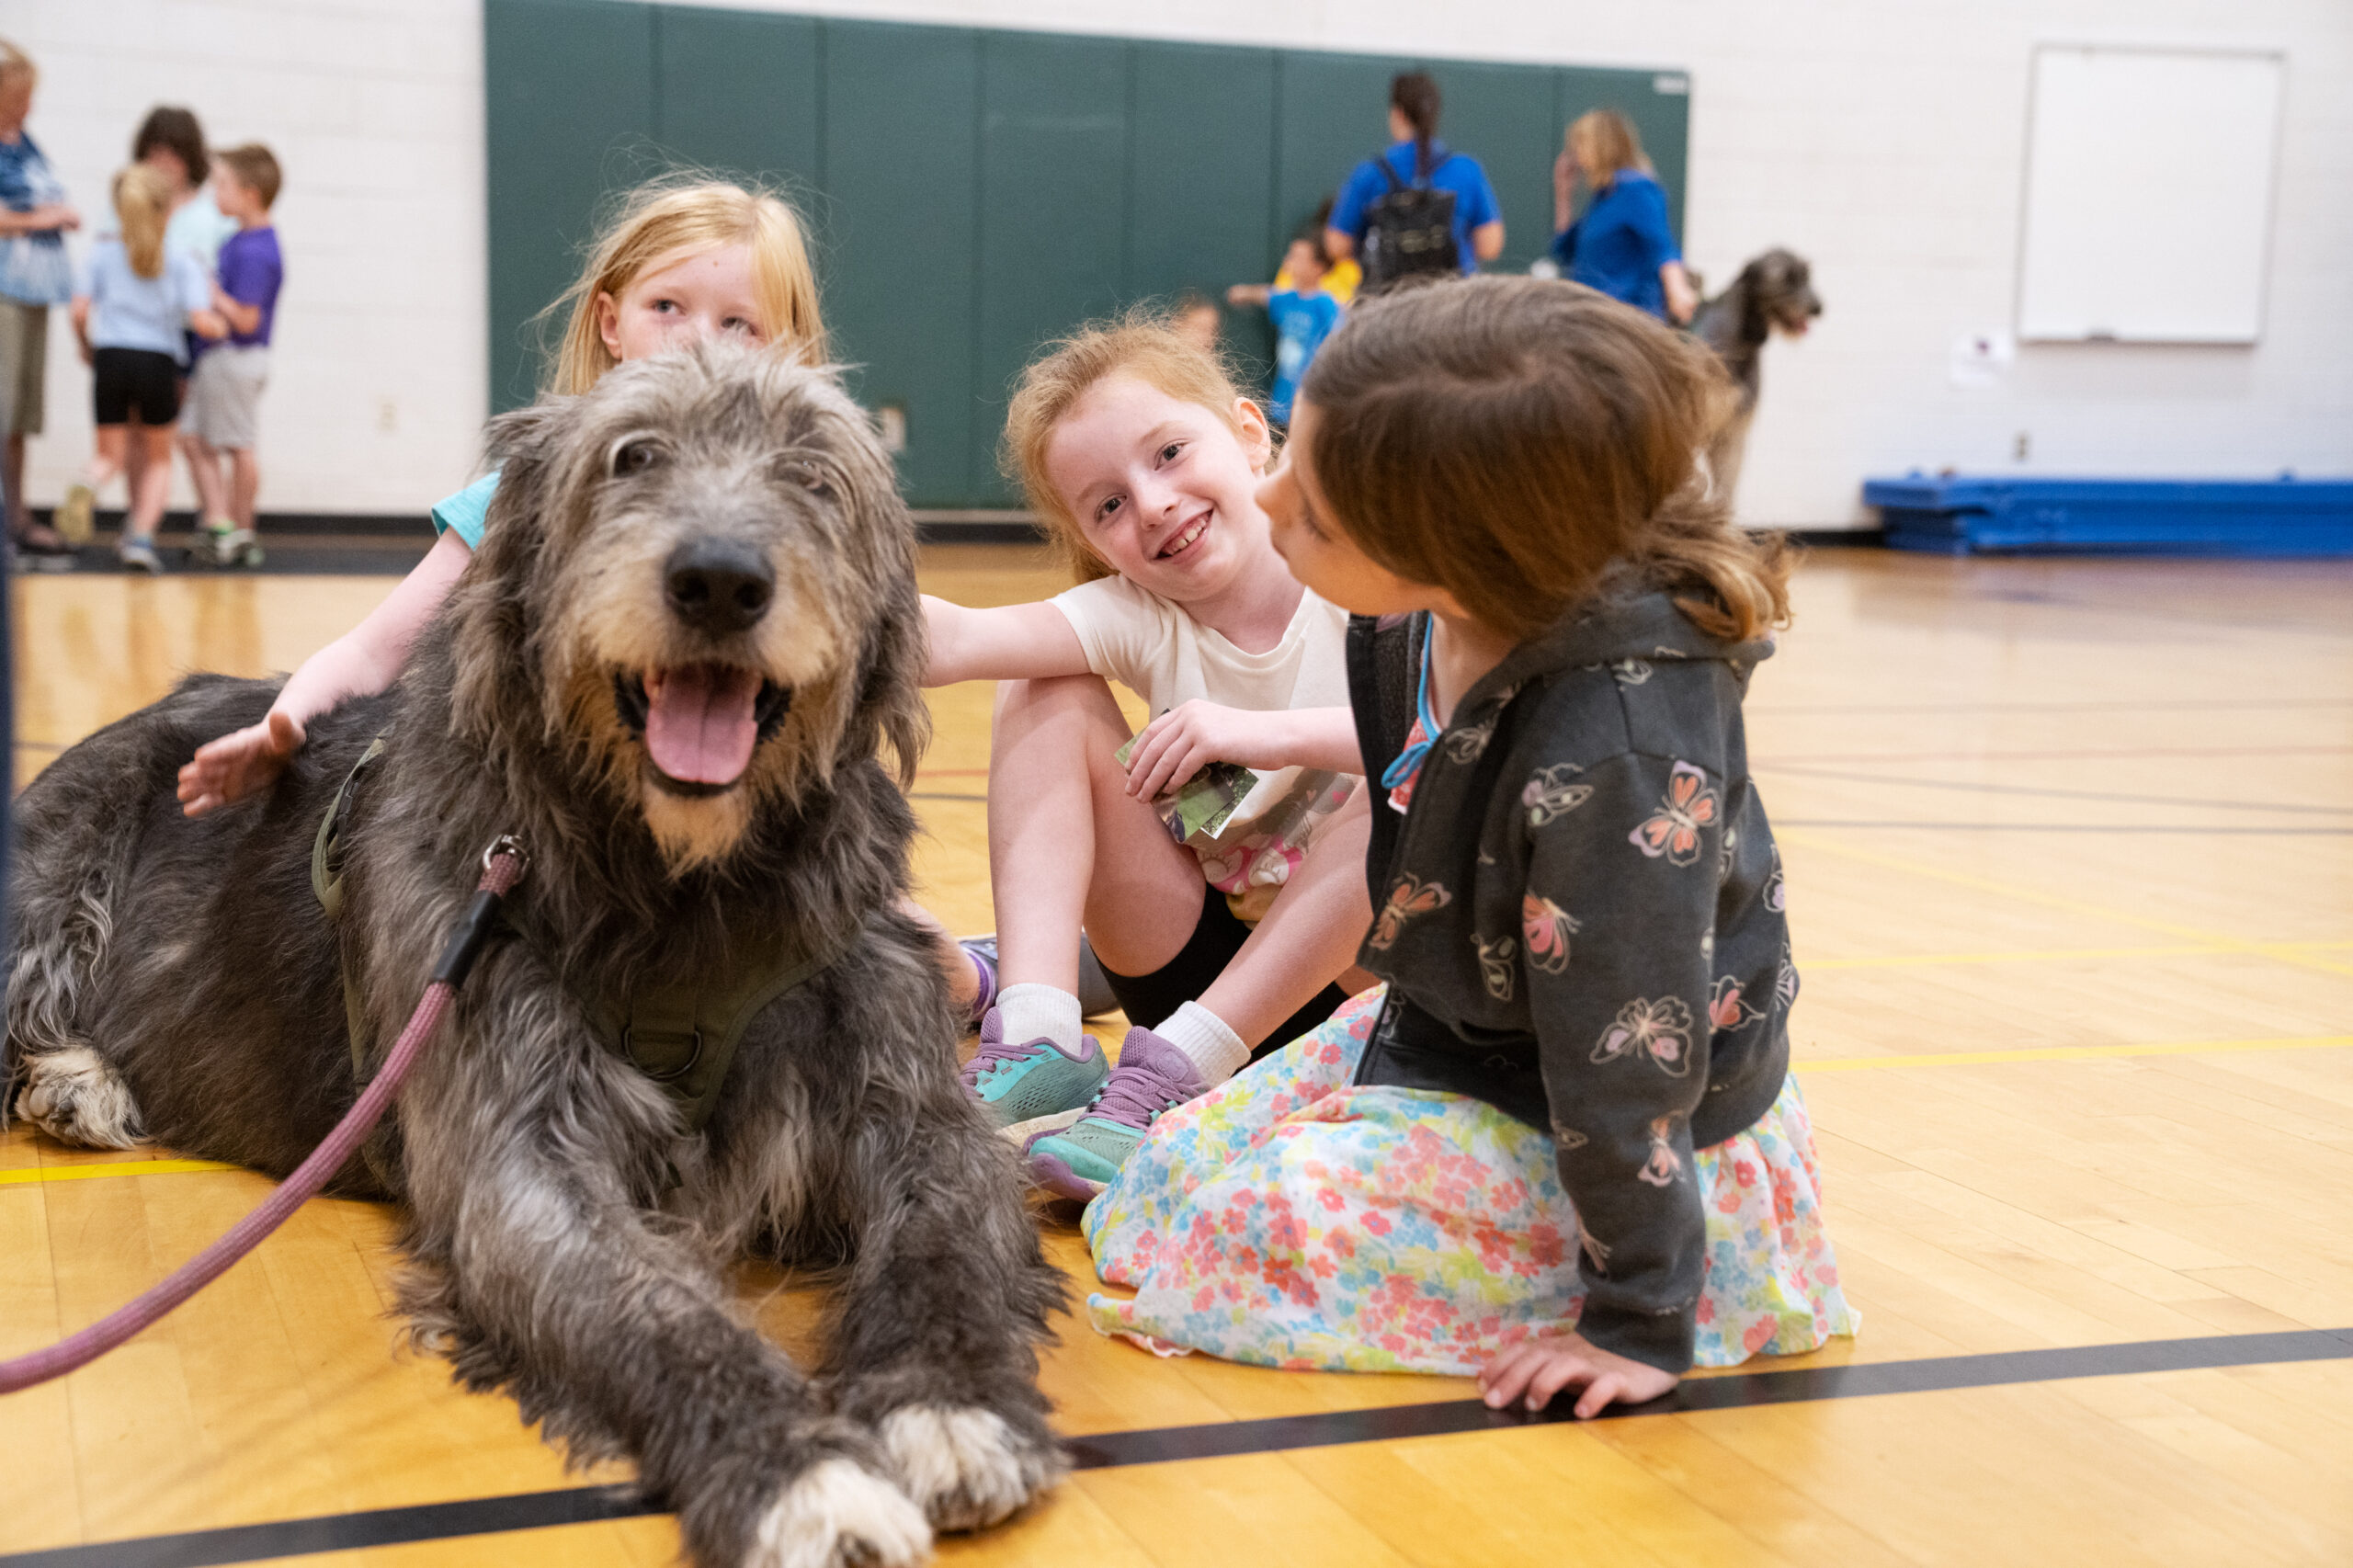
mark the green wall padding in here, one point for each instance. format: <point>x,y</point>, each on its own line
<point>974,193</point>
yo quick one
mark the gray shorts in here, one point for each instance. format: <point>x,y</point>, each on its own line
<point>224,395</point>
<point>23,366</point>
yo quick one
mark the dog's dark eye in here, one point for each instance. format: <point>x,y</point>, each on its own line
<point>635,457</point>
<point>809,476</point>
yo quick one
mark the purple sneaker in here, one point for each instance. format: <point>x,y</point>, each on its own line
<point>1034,1078</point>
<point>1081,1161</point>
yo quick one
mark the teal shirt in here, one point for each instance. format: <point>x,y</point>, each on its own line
<point>462,514</point>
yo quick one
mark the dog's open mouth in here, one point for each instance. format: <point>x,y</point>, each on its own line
<point>701,723</point>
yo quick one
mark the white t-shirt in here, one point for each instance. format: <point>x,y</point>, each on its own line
<point>1164,655</point>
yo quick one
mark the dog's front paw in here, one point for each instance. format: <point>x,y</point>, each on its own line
<point>837,1514</point>
<point>964,1465</point>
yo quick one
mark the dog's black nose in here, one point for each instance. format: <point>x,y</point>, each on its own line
<point>718,585</point>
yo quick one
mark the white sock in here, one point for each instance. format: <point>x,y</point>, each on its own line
<point>1039,1012</point>
<point>1203,1036</point>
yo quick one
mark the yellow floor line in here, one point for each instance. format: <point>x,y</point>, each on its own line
<point>119,1168</point>
<point>2285,952</point>
<point>2073,1053</point>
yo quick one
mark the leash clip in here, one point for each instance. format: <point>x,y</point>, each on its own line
<point>507,844</point>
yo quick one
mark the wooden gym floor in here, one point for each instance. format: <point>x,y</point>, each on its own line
<point>2071,860</point>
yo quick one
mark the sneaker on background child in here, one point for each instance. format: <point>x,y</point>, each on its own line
<point>135,304</point>
<point>1303,314</point>
<point>1210,859</point>
<point>1563,1148</point>
<point>224,391</point>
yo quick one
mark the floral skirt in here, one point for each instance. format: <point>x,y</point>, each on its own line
<point>1288,1220</point>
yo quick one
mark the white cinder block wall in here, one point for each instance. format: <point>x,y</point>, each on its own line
<point>1885,142</point>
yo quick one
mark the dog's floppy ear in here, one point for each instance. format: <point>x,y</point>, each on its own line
<point>490,631</point>
<point>890,685</point>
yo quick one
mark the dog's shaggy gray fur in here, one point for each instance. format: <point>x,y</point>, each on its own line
<point>565,1238</point>
<point>1773,293</point>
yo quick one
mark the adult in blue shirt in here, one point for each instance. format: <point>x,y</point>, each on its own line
<point>1622,245</point>
<point>1416,153</point>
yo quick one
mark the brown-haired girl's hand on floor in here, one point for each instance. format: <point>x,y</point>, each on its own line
<point>1542,1367</point>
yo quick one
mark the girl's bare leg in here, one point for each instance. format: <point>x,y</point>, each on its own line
<point>1308,938</point>
<point>204,469</point>
<point>113,450</point>
<point>245,485</point>
<point>154,485</point>
<point>1068,846</point>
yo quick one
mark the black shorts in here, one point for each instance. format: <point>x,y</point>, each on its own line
<point>1217,937</point>
<point>135,379</point>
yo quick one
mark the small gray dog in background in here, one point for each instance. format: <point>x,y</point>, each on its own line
<point>669,671</point>
<point>1773,293</point>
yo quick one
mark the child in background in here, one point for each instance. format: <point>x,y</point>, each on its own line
<point>1303,312</point>
<point>1565,1148</point>
<point>1196,321</point>
<point>1143,461</point>
<point>224,393</point>
<point>130,314</point>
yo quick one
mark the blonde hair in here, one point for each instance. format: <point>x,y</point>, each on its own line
<point>1524,444</point>
<point>1615,143</point>
<point>143,204</point>
<point>1144,344</point>
<point>14,62</point>
<point>691,212</point>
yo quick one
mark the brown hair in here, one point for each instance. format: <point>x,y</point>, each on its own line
<point>1615,143</point>
<point>171,127</point>
<point>1517,442</point>
<point>1415,95</point>
<point>143,205</point>
<point>256,168</point>
<point>1142,343</point>
<point>674,213</point>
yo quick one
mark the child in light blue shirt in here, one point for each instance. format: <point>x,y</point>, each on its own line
<point>1303,314</point>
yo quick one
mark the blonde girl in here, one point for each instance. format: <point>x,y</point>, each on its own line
<point>1563,1148</point>
<point>130,314</point>
<point>1224,931</point>
<point>682,260</point>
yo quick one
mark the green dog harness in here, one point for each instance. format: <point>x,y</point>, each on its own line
<point>682,1033</point>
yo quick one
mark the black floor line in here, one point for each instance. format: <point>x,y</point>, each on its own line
<point>1104,1450</point>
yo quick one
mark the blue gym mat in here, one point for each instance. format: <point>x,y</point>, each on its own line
<point>1961,515</point>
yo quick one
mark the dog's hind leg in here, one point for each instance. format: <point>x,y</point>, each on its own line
<point>541,1274</point>
<point>947,1304</point>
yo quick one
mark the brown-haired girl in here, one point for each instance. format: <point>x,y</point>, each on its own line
<point>1224,926</point>
<point>1564,1147</point>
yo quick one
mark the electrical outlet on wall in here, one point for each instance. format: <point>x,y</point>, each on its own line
<point>2019,447</point>
<point>893,417</point>
<point>388,417</point>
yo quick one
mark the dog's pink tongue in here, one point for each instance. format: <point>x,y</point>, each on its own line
<point>699,723</point>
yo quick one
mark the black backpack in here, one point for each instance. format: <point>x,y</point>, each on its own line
<point>1409,229</point>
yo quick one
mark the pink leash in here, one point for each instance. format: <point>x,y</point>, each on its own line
<point>502,866</point>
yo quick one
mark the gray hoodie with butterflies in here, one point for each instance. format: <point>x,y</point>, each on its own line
<point>1580,923</point>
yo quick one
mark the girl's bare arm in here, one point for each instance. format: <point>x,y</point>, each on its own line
<point>364,660</point>
<point>1011,643</point>
<point>1191,735</point>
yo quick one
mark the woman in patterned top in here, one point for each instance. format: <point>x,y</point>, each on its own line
<point>1562,1147</point>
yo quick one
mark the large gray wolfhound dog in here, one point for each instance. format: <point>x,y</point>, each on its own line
<point>669,670</point>
<point>1773,293</point>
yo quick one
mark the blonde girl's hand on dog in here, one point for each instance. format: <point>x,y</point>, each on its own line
<point>1539,1369</point>
<point>239,763</point>
<point>1191,735</point>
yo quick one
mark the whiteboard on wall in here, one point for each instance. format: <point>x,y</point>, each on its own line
<point>2148,195</point>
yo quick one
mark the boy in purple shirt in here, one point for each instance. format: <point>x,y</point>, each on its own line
<point>224,393</point>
